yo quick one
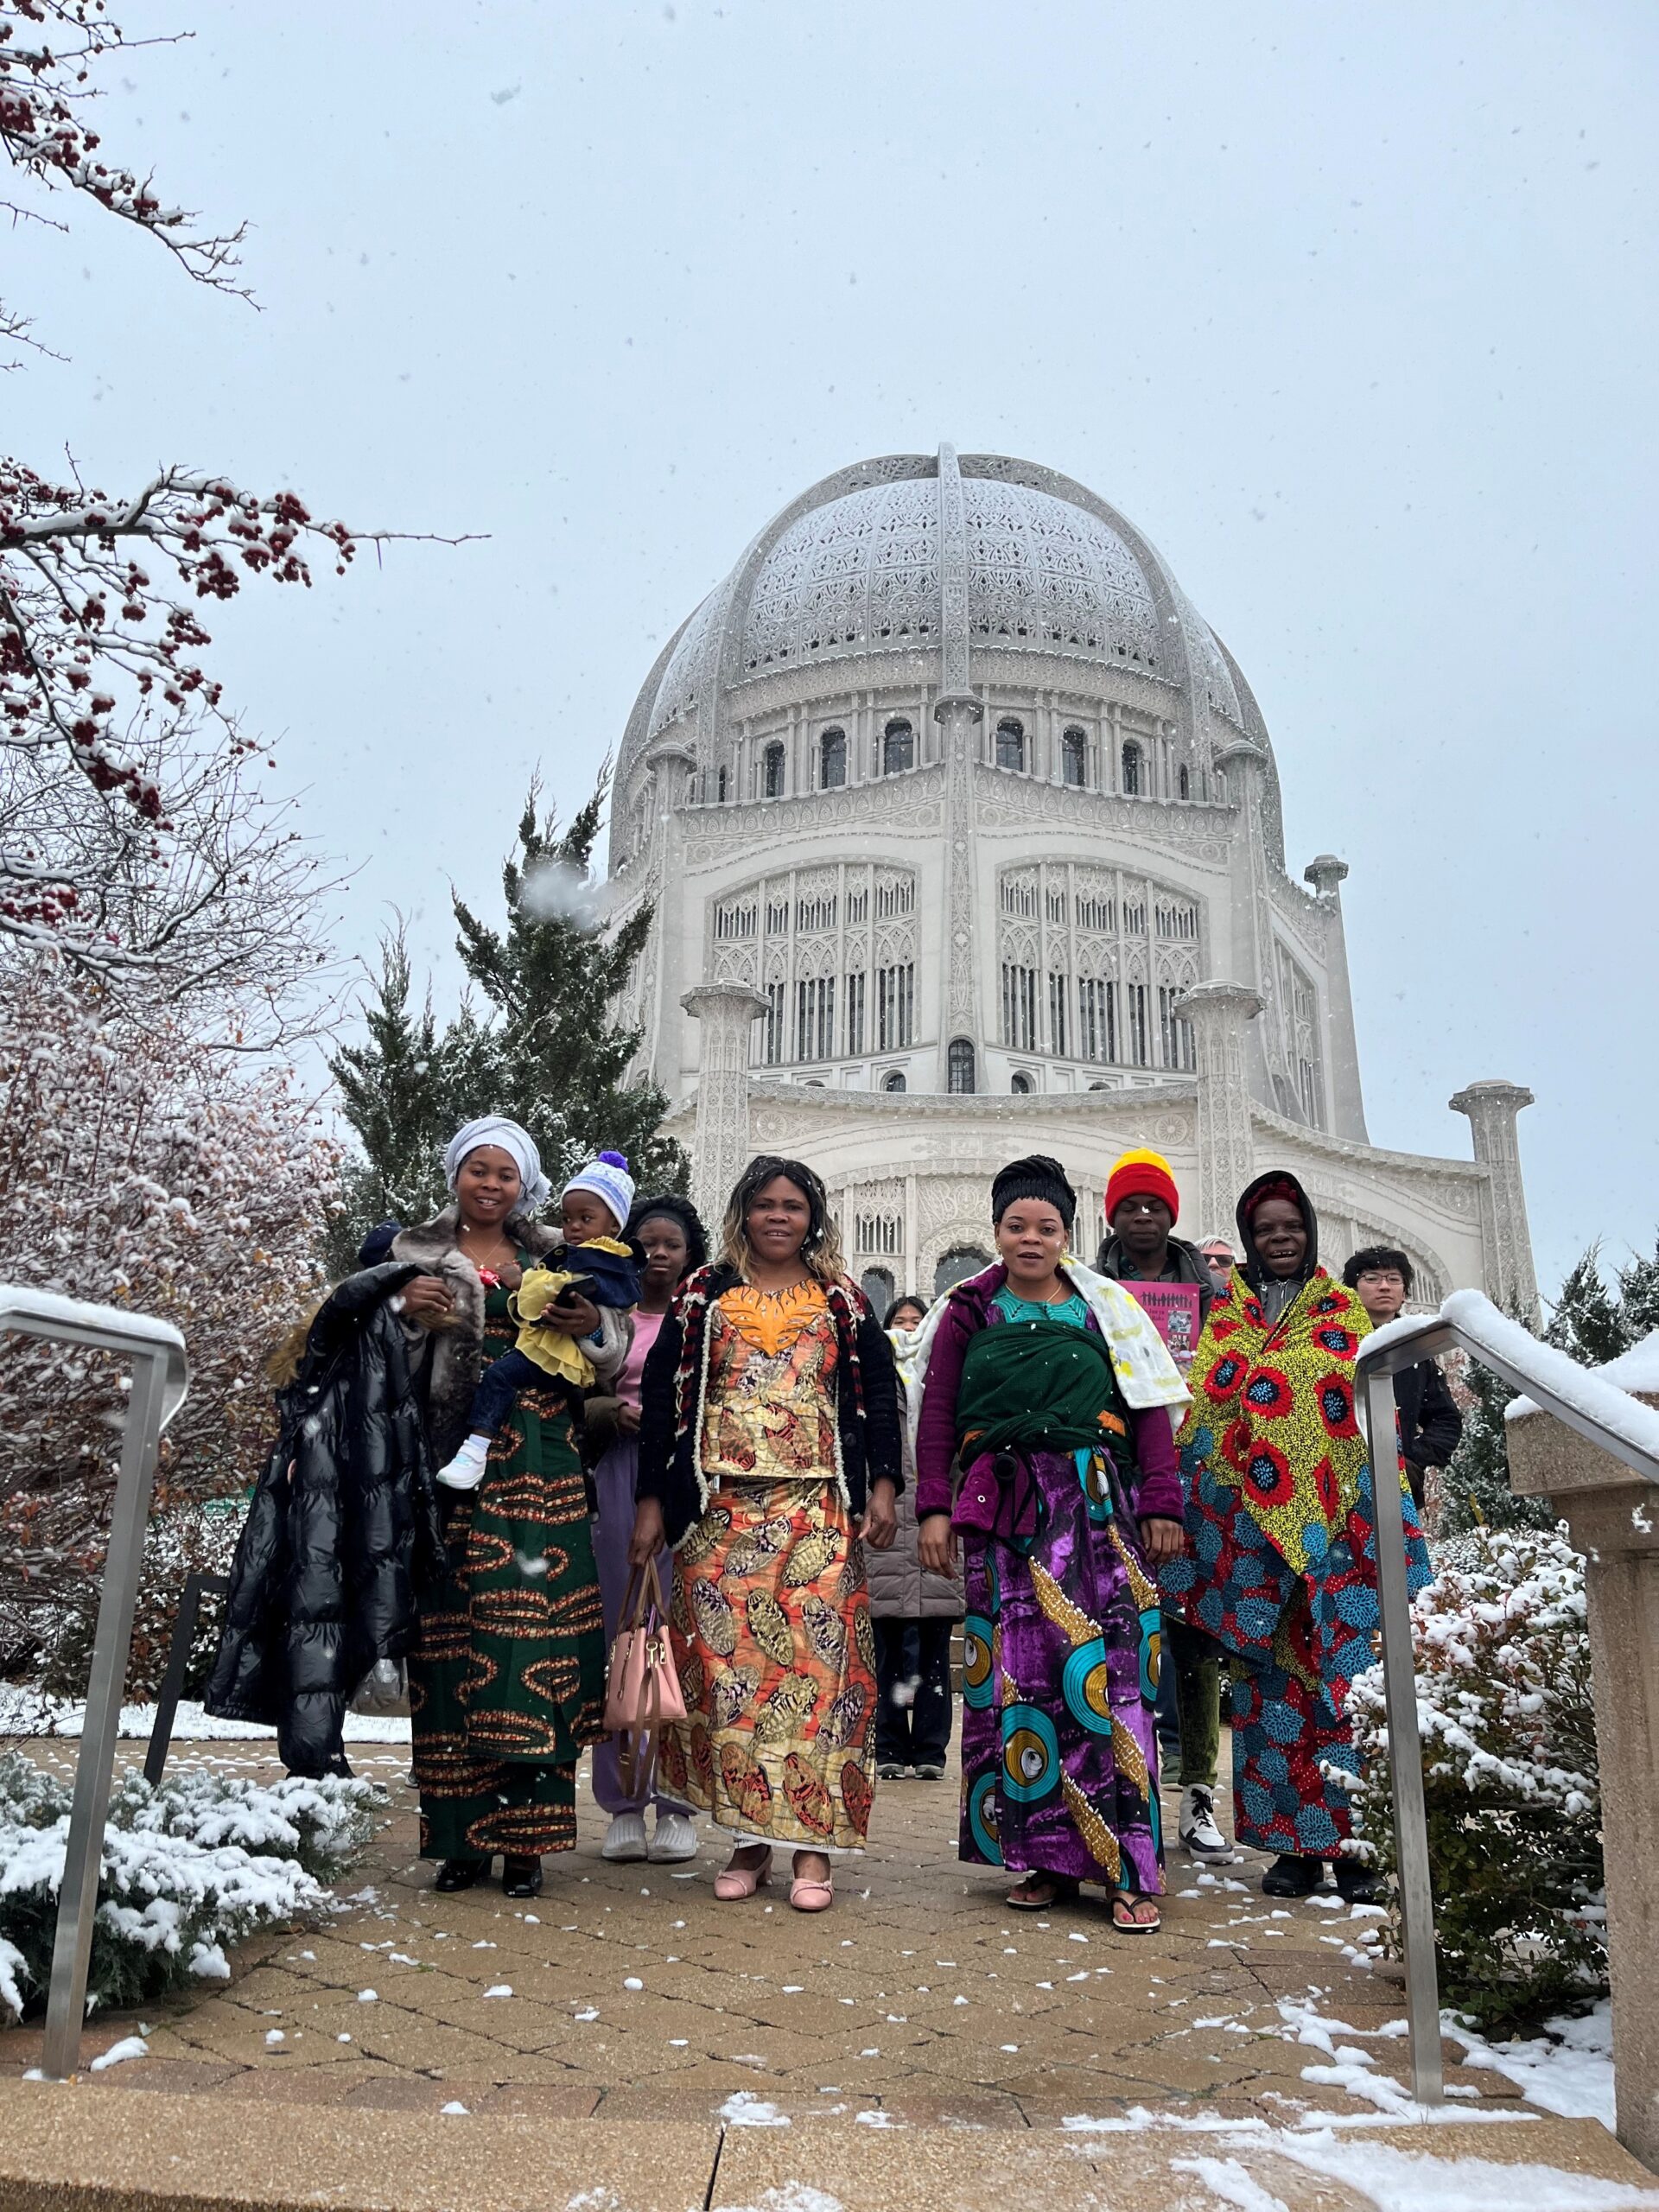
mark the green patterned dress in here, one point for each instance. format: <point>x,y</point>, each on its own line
<point>507,1681</point>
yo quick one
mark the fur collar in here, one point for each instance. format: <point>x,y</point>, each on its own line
<point>456,1353</point>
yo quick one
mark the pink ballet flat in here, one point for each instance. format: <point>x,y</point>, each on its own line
<point>732,1883</point>
<point>811,1896</point>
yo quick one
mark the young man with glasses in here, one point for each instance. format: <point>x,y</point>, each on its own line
<point>1430,1424</point>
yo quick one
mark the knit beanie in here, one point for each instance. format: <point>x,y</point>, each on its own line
<point>608,1178</point>
<point>1141,1175</point>
<point>1036,1176</point>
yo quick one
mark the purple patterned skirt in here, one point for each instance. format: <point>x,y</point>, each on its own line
<point>1060,1756</point>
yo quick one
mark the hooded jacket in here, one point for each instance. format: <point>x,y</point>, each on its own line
<point>1266,1286</point>
<point>342,1533</point>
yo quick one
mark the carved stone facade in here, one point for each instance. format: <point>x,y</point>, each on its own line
<point>951,811</point>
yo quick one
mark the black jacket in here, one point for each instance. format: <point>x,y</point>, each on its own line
<point>671,1393</point>
<point>326,1575</point>
<point>1430,1424</point>
<point>1185,1263</point>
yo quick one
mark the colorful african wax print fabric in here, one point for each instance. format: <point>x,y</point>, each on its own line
<point>770,1619</point>
<point>507,1678</point>
<point>1281,1559</point>
<point>1060,1645</point>
<point>769,1410</point>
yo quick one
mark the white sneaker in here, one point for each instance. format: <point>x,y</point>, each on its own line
<point>466,1470</point>
<point>1197,1826</point>
<point>624,1838</point>
<point>676,1836</point>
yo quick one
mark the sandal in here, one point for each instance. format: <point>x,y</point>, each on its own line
<point>1037,1891</point>
<point>734,1883</point>
<point>1128,1905</point>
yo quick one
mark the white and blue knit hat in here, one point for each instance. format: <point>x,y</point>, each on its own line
<point>608,1178</point>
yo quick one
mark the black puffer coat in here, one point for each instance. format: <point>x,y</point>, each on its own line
<point>330,1562</point>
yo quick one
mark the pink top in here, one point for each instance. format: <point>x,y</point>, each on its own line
<point>646,1326</point>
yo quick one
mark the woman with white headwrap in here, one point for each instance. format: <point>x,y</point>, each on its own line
<point>506,1682</point>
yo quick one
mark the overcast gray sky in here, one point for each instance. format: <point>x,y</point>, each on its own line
<point>1351,311</point>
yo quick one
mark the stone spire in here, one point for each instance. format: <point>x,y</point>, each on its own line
<point>1347,1105</point>
<point>958,712</point>
<point>1505,1238</point>
<point>1219,1015</point>
<point>721,1147</point>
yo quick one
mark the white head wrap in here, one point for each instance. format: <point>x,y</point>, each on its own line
<point>496,1129</point>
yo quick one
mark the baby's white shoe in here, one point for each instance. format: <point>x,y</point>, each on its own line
<point>466,1470</point>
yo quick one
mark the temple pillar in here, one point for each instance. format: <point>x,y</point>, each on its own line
<point>720,1150</point>
<point>1505,1238</point>
<point>1220,1015</point>
<point>959,714</point>
<point>1347,1105</point>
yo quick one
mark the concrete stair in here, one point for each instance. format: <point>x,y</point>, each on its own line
<point>72,2147</point>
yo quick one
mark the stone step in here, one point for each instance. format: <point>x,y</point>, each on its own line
<point>70,2148</point>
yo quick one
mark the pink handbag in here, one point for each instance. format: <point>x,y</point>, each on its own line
<point>641,1689</point>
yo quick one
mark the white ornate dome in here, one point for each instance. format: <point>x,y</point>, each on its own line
<point>984,572</point>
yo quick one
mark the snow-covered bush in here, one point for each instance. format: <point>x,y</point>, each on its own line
<point>203,1861</point>
<point>1510,1776</point>
<point>135,1169</point>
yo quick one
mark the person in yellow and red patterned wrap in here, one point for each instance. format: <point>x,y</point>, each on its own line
<point>1280,1562</point>
<point>769,1455</point>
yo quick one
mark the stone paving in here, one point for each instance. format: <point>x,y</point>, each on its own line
<point>627,1992</point>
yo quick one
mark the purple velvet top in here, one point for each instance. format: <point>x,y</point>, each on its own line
<point>1158,1495</point>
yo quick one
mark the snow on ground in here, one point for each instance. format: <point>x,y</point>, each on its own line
<point>1416,2181</point>
<point>1568,2069</point>
<point>25,1711</point>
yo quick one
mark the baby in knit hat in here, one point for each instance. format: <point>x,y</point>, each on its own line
<point>593,1263</point>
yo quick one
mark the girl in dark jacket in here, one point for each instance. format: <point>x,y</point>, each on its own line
<point>768,1448</point>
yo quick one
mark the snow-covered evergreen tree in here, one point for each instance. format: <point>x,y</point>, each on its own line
<point>540,1041</point>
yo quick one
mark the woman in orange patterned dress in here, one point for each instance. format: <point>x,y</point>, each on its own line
<point>769,1454</point>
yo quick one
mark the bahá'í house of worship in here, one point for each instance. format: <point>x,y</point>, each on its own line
<point>962,833</point>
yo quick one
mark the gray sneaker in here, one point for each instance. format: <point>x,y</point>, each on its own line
<point>928,1773</point>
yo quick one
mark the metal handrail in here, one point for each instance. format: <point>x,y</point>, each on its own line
<point>161,1381</point>
<point>1467,1322</point>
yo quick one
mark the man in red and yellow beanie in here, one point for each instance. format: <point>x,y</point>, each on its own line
<point>1145,1175</point>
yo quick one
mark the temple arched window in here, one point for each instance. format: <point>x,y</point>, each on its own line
<point>895,1080</point>
<point>1020,1085</point>
<point>956,1266</point>
<point>1074,759</point>
<point>959,1067</point>
<point>1183,781</point>
<point>1011,744</point>
<point>898,748</point>
<point>1132,771</point>
<point>832,759</point>
<point>772,771</point>
<point>720,786</point>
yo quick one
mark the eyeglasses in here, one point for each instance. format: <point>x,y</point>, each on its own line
<point>1384,1278</point>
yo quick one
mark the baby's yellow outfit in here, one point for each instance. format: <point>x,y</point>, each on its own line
<point>554,1349</point>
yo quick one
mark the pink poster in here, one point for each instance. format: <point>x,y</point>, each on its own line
<point>1173,1307</point>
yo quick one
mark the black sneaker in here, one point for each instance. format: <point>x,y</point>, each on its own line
<point>1291,1876</point>
<point>1358,1884</point>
